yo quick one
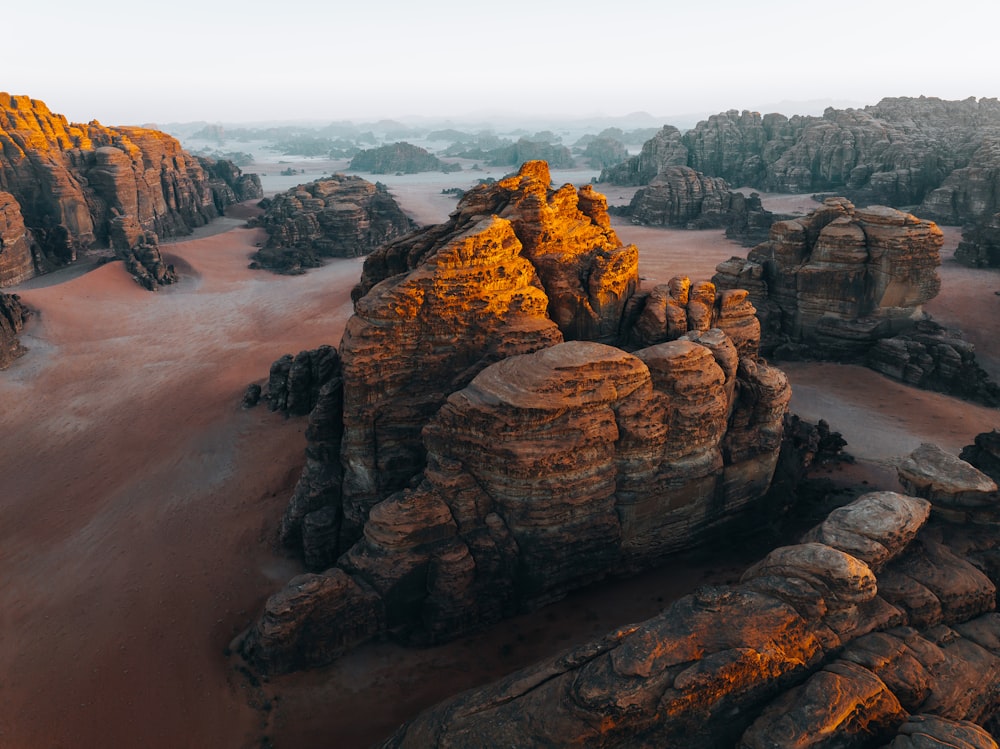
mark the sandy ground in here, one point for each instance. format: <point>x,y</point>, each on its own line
<point>138,502</point>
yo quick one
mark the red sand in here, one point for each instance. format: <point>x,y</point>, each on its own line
<point>138,503</point>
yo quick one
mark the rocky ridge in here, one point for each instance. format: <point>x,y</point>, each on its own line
<point>878,627</point>
<point>343,216</point>
<point>940,156</point>
<point>66,183</point>
<point>484,448</point>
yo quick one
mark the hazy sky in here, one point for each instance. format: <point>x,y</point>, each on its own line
<point>123,62</point>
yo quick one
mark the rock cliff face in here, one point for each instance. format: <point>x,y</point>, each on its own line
<point>838,280</point>
<point>980,245</point>
<point>70,181</point>
<point>877,627</point>
<point>486,465</point>
<point>17,260</point>
<point>942,155</point>
<point>13,315</point>
<point>337,217</point>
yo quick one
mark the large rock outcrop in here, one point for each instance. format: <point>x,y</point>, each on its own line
<point>398,158</point>
<point>13,315</point>
<point>877,627</point>
<point>942,155</point>
<point>838,280</point>
<point>486,465</point>
<point>17,260</point>
<point>980,245</point>
<point>71,180</point>
<point>341,216</point>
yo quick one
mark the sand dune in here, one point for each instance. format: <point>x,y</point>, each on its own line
<point>138,502</point>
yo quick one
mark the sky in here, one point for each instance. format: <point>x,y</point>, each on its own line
<point>127,63</point>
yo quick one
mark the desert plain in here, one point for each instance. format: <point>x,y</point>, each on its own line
<point>139,502</point>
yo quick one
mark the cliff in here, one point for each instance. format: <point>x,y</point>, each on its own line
<point>903,152</point>
<point>338,217</point>
<point>70,181</point>
<point>13,315</point>
<point>483,449</point>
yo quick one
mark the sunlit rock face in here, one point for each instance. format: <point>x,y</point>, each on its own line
<point>342,216</point>
<point>838,280</point>
<point>487,465</point>
<point>70,180</point>
<point>16,258</point>
<point>878,628</point>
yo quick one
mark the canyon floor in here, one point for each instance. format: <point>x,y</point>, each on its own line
<point>139,502</point>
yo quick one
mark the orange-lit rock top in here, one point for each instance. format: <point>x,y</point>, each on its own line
<point>71,180</point>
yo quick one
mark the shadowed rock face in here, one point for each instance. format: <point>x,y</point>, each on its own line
<point>13,314</point>
<point>70,180</point>
<point>878,627</point>
<point>839,279</point>
<point>337,217</point>
<point>488,466</point>
<point>943,155</point>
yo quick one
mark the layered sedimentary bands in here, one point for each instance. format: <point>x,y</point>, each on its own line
<point>942,156</point>
<point>64,186</point>
<point>877,627</point>
<point>510,420</point>
<point>337,217</point>
<point>848,284</point>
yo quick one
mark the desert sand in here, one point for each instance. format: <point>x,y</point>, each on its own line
<point>139,502</point>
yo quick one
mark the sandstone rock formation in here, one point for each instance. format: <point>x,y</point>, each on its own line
<point>836,281</point>
<point>17,258</point>
<point>942,155</point>
<point>680,196</point>
<point>13,315</point>
<point>980,245</point>
<point>70,180</point>
<point>876,628</point>
<point>486,465</point>
<point>403,158</point>
<point>337,217</point>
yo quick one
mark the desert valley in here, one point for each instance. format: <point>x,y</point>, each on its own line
<point>299,449</point>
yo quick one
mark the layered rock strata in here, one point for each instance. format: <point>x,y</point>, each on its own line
<point>17,254</point>
<point>942,155</point>
<point>486,465</point>
<point>877,627</point>
<point>70,180</point>
<point>547,472</point>
<point>13,315</point>
<point>337,217</point>
<point>836,281</point>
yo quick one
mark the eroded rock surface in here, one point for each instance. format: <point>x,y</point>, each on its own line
<point>814,647</point>
<point>13,315</point>
<point>486,465</point>
<point>70,180</point>
<point>341,216</point>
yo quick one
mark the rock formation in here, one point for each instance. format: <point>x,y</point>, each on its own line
<point>17,251</point>
<point>337,217</point>
<point>980,245</point>
<point>69,181</point>
<point>942,155</point>
<point>398,158</point>
<point>877,627</point>
<point>836,281</point>
<point>13,315</point>
<point>487,465</point>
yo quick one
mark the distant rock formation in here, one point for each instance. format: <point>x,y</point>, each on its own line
<point>342,216</point>
<point>941,155</point>
<point>877,627</point>
<point>13,315</point>
<point>980,245</point>
<point>69,181</point>
<point>833,283</point>
<point>680,196</point>
<point>483,449</point>
<point>399,158</point>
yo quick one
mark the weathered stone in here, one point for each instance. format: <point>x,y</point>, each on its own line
<point>935,732</point>
<point>946,480</point>
<point>337,217</point>
<point>71,180</point>
<point>16,256</point>
<point>13,315</point>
